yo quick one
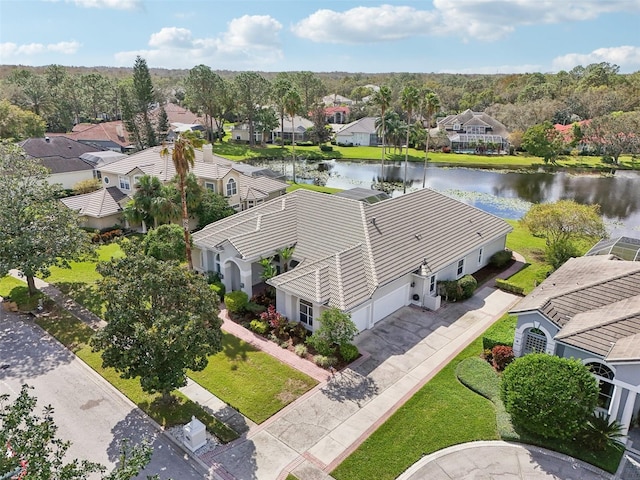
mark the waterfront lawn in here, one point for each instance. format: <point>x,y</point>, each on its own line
<point>75,335</point>
<point>296,186</point>
<point>531,248</point>
<point>440,414</point>
<point>251,381</point>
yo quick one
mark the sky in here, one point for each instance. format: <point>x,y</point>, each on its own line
<point>453,36</point>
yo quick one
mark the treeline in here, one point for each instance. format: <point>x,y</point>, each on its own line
<point>64,96</point>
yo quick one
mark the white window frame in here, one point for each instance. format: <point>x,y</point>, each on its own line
<point>124,182</point>
<point>604,396</point>
<point>305,312</point>
<point>136,180</point>
<point>232,187</point>
<point>106,180</point>
<point>532,341</point>
<point>432,284</point>
<point>460,268</point>
<point>480,254</point>
<point>210,186</point>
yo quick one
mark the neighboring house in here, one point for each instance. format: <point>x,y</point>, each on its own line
<point>99,159</point>
<point>567,133</point>
<point>300,126</point>
<point>361,132</point>
<point>336,100</point>
<point>99,209</point>
<point>105,135</point>
<point>589,309</point>
<point>241,133</point>
<point>338,115</point>
<point>243,190</point>
<point>475,132</point>
<point>62,157</point>
<point>365,259</point>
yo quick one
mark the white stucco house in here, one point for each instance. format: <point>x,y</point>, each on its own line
<point>368,259</point>
<point>100,209</point>
<point>589,309</point>
<point>362,132</point>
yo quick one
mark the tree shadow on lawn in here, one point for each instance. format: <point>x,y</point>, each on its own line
<point>84,294</point>
<point>234,348</point>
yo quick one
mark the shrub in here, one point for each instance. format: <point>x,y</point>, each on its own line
<point>559,252</point>
<point>236,302</point>
<point>349,352</point>
<point>500,333</point>
<point>502,356</point>
<point>213,277</point>
<point>301,350</point>
<point>549,396</point>
<point>324,361</point>
<point>258,326</point>
<point>255,309</point>
<point>468,285</point>
<point>507,286</point>
<point>326,148</point>
<point>450,289</point>
<point>275,319</point>
<point>599,433</point>
<point>219,288</point>
<point>501,259</point>
<point>336,328</point>
<point>297,330</point>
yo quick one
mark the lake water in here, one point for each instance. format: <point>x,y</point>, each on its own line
<point>506,194</point>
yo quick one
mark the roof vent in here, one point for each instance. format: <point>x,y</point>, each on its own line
<point>47,139</point>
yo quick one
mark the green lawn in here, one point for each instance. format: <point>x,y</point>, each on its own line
<point>296,186</point>
<point>240,152</point>
<point>440,414</point>
<point>16,290</point>
<point>251,381</point>
<point>532,249</point>
<point>84,272</point>
<point>75,335</point>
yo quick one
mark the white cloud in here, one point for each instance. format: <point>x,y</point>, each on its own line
<point>365,24</point>
<point>480,19</point>
<point>626,56</point>
<point>111,4</point>
<point>11,51</point>
<point>250,41</point>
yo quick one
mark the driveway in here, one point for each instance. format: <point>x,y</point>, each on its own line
<point>401,353</point>
<point>88,411</point>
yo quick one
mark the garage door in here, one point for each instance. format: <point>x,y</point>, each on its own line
<point>390,303</point>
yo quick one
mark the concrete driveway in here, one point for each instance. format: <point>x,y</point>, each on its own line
<point>88,411</point>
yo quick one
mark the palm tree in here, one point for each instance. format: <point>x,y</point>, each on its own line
<point>292,103</point>
<point>285,255</point>
<point>410,100</point>
<point>147,190</point>
<point>431,104</point>
<point>382,98</point>
<point>183,155</point>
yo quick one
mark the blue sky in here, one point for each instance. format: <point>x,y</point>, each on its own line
<point>463,36</point>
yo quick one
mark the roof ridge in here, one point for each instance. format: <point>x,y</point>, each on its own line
<point>594,283</point>
<point>601,324</point>
<point>368,248</point>
<point>339,280</point>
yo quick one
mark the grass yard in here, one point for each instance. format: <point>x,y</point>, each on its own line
<point>251,381</point>
<point>442,413</point>
<point>532,249</point>
<point>296,186</point>
<point>84,272</point>
<point>75,335</point>
<point>16,290</point>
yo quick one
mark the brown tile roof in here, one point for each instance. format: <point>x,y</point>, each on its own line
<point>178,114</point>
<point>355,246</point>
<point>594,300</point>
<point>106,131</point>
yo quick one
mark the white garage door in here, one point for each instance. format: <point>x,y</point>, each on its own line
<point>390,303</point>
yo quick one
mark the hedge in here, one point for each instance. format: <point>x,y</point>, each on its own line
<point>509,287</point>
<point>500,333</point>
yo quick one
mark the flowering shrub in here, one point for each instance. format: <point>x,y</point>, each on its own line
<point>275,319</point>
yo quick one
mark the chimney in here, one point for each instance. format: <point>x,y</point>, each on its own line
<point>207,153</point>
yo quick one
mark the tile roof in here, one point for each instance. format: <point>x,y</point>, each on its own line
<point>469,117</point>
<point>353,245</point>
<point>594,300</point>
<point>101,203</point>
<point>58,153</point>
<point>106,131</point>
<point>364,125</point>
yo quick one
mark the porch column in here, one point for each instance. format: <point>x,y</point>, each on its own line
<point>615,402</point>
<point>628,411</point>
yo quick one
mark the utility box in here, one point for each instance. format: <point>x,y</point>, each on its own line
<point>195,434</point>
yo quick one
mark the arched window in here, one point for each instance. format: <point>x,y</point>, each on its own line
<point>232,188</point>
<point>604,375</point>
<point>535,341</point>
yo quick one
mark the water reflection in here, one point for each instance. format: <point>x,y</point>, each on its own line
<point>507,194</point>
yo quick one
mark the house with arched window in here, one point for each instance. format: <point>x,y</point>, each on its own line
<point>589,309</point>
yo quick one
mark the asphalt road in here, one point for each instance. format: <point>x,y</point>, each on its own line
<point>87,410</point>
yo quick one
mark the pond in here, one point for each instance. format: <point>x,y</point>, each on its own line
<point>507,194</point>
